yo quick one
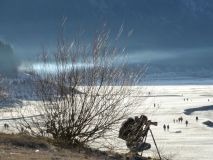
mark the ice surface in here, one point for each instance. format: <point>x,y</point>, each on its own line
<point>194,142</point>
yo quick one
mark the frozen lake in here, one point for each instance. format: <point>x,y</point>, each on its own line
<point>166,103</point>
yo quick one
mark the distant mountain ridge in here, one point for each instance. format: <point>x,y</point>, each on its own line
<point>8,62</point>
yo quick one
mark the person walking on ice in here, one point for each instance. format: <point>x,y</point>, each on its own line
<point>167,127</point>
<point>164,127</point>
<point>187,123</point>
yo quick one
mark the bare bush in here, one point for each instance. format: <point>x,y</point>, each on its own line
<point>84,91</point>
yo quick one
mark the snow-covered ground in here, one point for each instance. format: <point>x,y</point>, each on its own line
<point>165,103</point>
<point>194,142</point>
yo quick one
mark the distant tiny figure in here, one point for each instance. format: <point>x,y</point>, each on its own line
<point>187,99</point>
<point>184,99</point>
<point>6,126</point>
<point>180,119</point>
<point>187,123</point>
<point>149,93</point>
<point>167,127</point>
<point>22,130</point>
<point>164,127</point>
<point>174,120</point>
<point>154,104</point>
<point>208,100</point>
<point>196,118</point>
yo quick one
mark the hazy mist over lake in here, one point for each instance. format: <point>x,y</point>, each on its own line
<point>173,37</point>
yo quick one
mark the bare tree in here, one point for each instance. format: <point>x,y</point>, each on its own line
<point>84,91</point>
